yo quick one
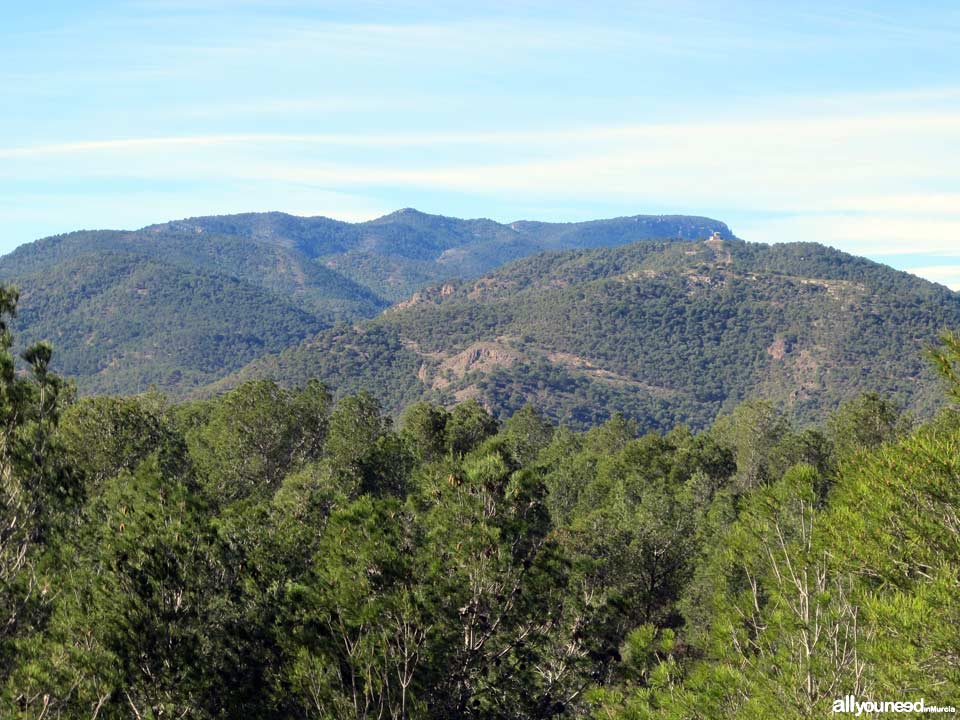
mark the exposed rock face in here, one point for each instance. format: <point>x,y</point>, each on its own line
<point>481,356</point>
<point>430,294</point>
<point>778,349</point>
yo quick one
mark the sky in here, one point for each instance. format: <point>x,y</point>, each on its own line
<point>834,122</point>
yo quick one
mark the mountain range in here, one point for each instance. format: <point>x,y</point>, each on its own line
<point>665,332</point>
<point>667,319</point>
<point>179,305</point>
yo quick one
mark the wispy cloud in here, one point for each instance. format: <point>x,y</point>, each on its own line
<point>948,275</point>
<point>931,204</point>
<point>836,179</point>
<point>889,237</point>
<point>783,136</point>
<point>793,123</point>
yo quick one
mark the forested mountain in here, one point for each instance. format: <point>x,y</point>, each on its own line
<point>396,254</point>
<point>665,332</point>
<point>182,304</point>
<point>121,322</point>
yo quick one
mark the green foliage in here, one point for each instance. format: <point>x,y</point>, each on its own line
<point>469,425</point>
<point>808,601</point>
<point>37,493</point>
<point>362,449</point>
<point>257,434</point>
<point>526,433</point>
<point>754,430</point>
<point>425,427</point>
<point>106,435</point>
<point>864,424</point>
<point>666,333</point>
<point>271,554</point>
<point>358,618</point>
<point>893,520</point>
<point>946,360</point>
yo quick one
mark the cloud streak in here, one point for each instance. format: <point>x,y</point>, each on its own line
<point>773,133</point>
<point>948,275</point>
<point>835,178</point>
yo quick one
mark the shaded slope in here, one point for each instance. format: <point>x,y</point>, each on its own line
<point>271,265</point>
<point>120,322</point>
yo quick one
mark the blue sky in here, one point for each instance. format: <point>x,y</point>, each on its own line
<point>834,122</point>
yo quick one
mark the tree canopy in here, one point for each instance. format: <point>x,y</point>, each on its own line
<point>274,553</point>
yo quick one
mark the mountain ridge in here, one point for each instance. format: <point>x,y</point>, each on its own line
<point>666,332</point>
<point>314,272</point>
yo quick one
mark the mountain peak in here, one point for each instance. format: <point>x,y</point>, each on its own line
<point>407,213</point>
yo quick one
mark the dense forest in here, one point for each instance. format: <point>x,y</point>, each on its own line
<point>276,553</point>
<point>637,315</point>
<point>182,304</point>
<point>665,332</point>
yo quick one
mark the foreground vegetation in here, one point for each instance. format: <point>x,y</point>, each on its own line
<point>273,554</point>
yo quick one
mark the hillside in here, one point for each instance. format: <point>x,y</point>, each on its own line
<point>182,304</point>
<point>665,332</point>
<point>120,322</point>
<point>274,266</point>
